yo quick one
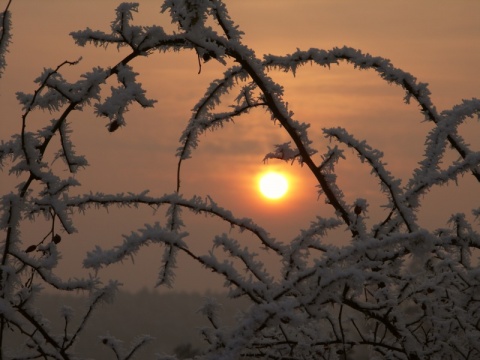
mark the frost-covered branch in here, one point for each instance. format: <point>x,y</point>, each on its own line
<point>388,183</point>
<point>196,204</point>
<point>5,36</point>
<point>418,91</point>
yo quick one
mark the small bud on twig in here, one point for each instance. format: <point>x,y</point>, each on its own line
<point>357,210</point>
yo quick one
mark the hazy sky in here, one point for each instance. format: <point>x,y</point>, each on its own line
<point>436,41</point>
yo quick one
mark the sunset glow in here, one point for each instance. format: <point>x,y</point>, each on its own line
<point>229,162</point>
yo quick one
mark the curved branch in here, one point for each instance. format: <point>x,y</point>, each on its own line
<point>389,73</point>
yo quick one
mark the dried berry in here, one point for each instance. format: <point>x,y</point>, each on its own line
<point>57,238</point>
<point>206,57</point>
<point>31,248</point>
<point>114,125</point>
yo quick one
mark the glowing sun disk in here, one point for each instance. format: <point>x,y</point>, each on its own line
<point>273,185</point>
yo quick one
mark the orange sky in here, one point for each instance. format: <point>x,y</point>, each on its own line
<point>436,41</point>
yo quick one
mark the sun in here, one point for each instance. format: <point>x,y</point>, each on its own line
<point>273,185</point>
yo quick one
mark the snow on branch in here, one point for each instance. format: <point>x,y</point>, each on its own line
<point>123,34</point>
<point>363,61</point>
<point>232,246</point>
<point>58,91</point>
<point>200,121</point>
<point>195,204</point>
<point>67,152</point>
<point>228,26</point>
<point>471,161</point>
<point>309,239</point>
<point>284,152</point>
<point>389,184</point>
<point>238,284</point>
<point>468,108</point>
<point>5,36</point>
<point>117,104</point>
<point>8,150</point>
<point>44,265</point>
<point>429,173</point>
<point>187,14</point>
<point>419,91</point>
<point>98,258</point>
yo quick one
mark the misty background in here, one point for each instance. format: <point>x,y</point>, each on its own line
<point>172,319</point>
